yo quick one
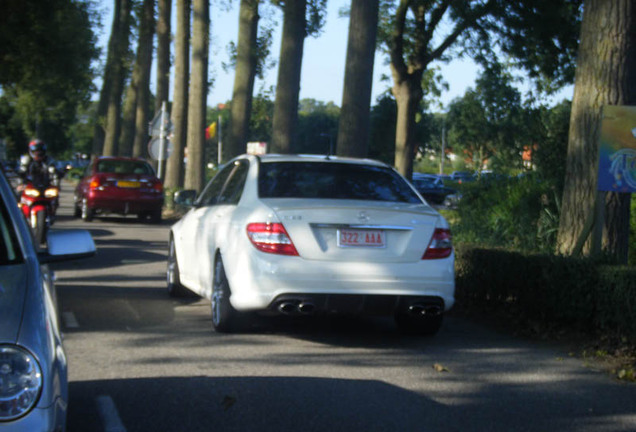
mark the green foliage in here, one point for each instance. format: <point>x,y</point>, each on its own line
<point>548,291</point>
<point>262,115</point>
<point>382,136</point>
<point>46,54</point>
<point>317,127</point>
<point>517,214</point>
<point>488,122</point>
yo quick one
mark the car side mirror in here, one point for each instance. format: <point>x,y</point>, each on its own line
<point>185,197</point>
<point>65,245</point>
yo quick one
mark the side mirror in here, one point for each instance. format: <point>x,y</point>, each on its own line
<point>66,245</point>
<point>185,197</point>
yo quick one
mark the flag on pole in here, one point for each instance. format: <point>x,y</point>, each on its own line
<point>210,131</point>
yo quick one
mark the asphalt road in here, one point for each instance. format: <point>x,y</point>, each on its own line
<point>141,361</point>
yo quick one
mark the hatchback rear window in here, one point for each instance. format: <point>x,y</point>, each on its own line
<point>124,167</point>
<point>332,180</point>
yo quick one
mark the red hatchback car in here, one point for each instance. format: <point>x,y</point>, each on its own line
<point>120,185</point>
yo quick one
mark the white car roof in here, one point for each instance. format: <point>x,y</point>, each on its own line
<point>274,157</point>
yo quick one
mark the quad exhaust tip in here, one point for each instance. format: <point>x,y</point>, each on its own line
<point>423,309</point>
<point>296,307</point>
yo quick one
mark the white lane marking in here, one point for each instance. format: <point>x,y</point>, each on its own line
<point>110,417</point>
<point>69,320</point>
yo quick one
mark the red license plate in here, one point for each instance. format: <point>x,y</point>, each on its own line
<point>361,238</point>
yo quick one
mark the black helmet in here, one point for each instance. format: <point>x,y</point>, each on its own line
<point>37,148</point>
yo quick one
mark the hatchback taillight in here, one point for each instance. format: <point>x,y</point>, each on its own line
<point>271,238</point>
<point>441,244</point>
<point>95,183</point>
<point>157,186</point>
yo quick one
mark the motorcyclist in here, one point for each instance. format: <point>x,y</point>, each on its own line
<point>36,167</point>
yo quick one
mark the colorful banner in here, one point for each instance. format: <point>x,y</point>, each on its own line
<point>617,156</point>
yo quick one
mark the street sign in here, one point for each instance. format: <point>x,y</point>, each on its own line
<point>154,148</point>
<point>154,127</point>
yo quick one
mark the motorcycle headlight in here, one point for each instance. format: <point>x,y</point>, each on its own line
<point>50,193</point>
<point>33,193</point>
<point>20,382</point>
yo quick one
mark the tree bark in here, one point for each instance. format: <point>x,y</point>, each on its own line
<point>135,117</point>
<point>163,53</point>
<point>605,75</point>
<point>174,165</point>
<point>245,73</point>
<point>102,106</point>
<point>353,129</point>
<point>289,69</point>
<point>408,94</point>
<point>144,57</point>
<point>113,113</point>
<point>195,174</point>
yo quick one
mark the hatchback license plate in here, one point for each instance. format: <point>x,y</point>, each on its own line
<point>361,238</point>
<point>128,184</point>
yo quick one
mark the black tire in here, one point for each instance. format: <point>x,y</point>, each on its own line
<point>87,213</point>
<point>225,318</point>
<point>39,230</point>
<point>173,282</point>
<point>155,216</point>
<point>77,210</point>
<point>419,325</point>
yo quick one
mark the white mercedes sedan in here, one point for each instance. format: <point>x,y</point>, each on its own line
<point>303,235</point>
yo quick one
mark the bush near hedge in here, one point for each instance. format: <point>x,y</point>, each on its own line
<point>547,291</point>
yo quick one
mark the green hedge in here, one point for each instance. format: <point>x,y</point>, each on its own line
<point>550,291</point>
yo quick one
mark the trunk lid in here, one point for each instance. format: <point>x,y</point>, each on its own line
<point>357,231</point>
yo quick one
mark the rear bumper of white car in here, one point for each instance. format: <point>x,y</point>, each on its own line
<point>265,282</point>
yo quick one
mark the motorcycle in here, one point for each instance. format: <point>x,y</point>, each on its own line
<point>39,206</point>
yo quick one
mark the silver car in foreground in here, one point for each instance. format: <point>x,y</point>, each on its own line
<point>33,369</point>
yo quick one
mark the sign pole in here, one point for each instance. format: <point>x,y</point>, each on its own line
<point>220,152</point>
<point>162,138</point>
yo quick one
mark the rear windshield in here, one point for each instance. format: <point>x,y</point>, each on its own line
<point>330,180</point>
<point>124,167</point>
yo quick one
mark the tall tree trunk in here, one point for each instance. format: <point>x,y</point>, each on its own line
<point>163,57</point>
<point>605,75</point>
<point>246,62</point>
<point>174,165</point>
<point>137,92</point>
<point>353,129</point>
<point>113,113</point>
<point>144,58</point>
<point>163,53</point>
<point>198,94</point>
<point>99,131</point>
<point>127,136</point>
<point>288,84</point>
<point>408,94</point>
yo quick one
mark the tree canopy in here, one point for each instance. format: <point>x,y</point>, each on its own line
<point>47,50</point>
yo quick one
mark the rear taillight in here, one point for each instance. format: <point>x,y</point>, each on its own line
<point>95,183</point>
<point>441,244</point>
<point>271,238</point>
<point>157,186</point>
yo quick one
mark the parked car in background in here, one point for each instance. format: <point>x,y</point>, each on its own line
<point>120,185</point>
<point>303,235</point>
<point>432,188</point>
<point>33,368</point>
<point>462,176</point>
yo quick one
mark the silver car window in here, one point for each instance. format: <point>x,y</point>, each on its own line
<point>9,246</point>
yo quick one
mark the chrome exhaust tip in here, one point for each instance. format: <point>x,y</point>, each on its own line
<point>306,308</point>
<point>286,308</point>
